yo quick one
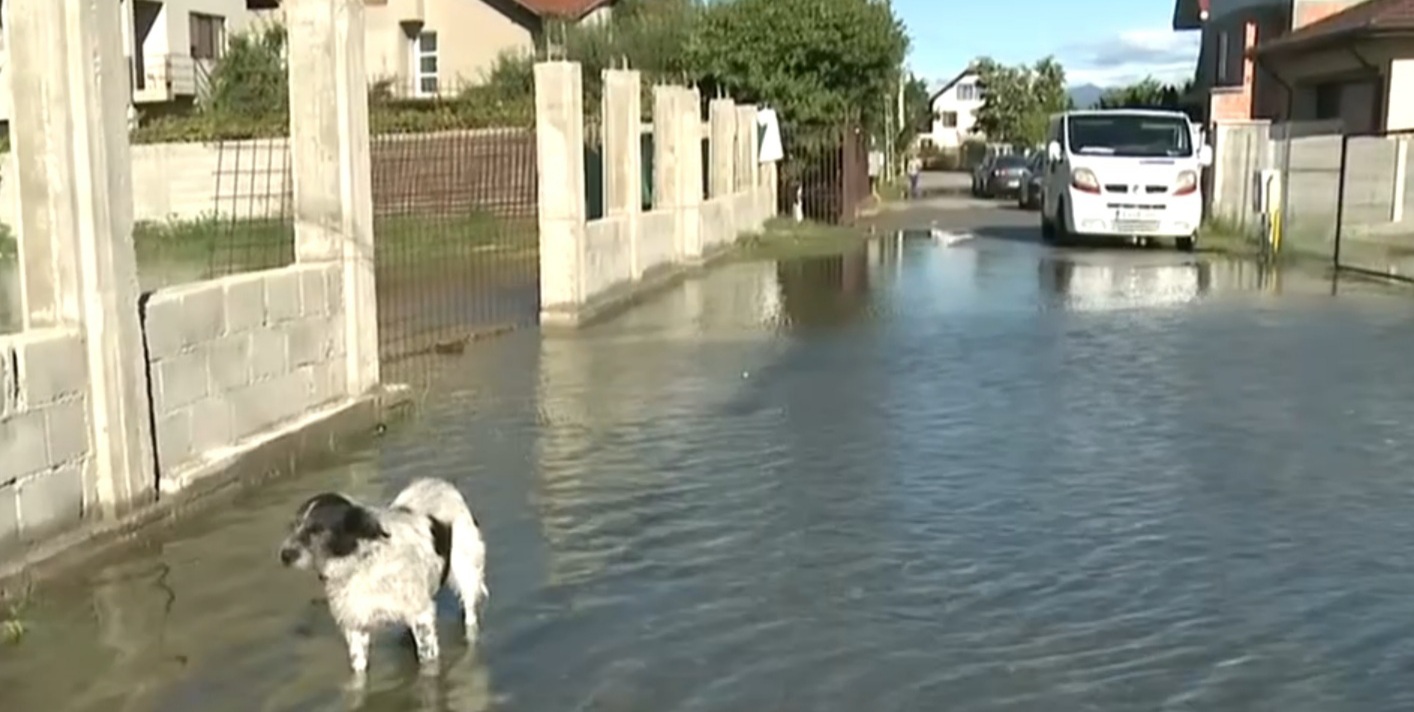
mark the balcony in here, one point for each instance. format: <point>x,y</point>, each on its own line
<point>161,78</point>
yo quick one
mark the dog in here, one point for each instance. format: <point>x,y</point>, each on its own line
<point>384,566</point>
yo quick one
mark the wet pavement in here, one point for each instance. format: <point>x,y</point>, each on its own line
<point>984,476</point>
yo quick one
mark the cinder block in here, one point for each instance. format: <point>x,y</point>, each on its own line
<point>52,500</point>
<point>338,336</point>
<point>52,367</point>
<point>174,439</point>
<point>245,303</point>
<point>9,519</point>
<point>229,362</point>
<point>211,424</point>
<point>24,445</point>
<point>181,381</point>
<point>9,383</point>
<point>191,316</point>
<point>269,353</point>
<point>67,426</point>
<point>282,299</point>
<point>326,382</point>
<point>263,404</point>
<point>310,341</point>
<point>314,292</point>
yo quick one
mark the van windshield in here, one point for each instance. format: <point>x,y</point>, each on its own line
<point>1132,135</point>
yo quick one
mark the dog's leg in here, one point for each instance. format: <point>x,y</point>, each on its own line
<point>424,633</point>
<point>359,641</point>
<point>468,573</point>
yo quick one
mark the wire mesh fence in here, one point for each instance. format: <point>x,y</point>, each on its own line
<point>825,174</point>
<point>456,239</point>
<point>593,168</point>
<point>249,227</point>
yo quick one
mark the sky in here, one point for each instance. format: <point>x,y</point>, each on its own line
<point>1103,42</point>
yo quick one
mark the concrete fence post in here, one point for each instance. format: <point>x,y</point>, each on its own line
<point>69,86</point>
<point>667,161</point>
<point>722,117</point>
<point>331,165</point>
<point>559,137</point>
<point>763,202</point>
<point>623,156</point>
<point>690,134</point>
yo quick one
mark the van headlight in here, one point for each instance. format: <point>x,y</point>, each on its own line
<point>1084,180</point>
<point>1187,183</point>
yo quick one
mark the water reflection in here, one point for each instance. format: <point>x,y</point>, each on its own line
<point>825,291</point>
<point>1109,282</point>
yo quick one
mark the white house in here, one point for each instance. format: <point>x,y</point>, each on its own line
<point>955,106</point>
<point>171,46</point>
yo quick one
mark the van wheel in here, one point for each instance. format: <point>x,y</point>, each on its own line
<point>1060,232</point>
<point>1186,244</point>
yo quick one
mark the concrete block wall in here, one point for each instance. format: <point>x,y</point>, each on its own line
<point>583,262</point>
<point>44,433</point>
<point>231,358</point>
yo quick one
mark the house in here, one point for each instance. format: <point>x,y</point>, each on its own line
<point>1304,60</point>
<point>171,46</point>
<point>955,106</point>
<point>422,46</point>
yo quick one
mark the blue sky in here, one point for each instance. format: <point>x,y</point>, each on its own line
<point>1105,42</point>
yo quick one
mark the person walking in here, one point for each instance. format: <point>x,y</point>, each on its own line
<point>915,169</point>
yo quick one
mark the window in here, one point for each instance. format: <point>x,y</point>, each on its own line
<point>967,92</point>
<point>424,60</point>
<point>949,119</point>
<point>1328,100</point>
<point>208,36</point>
<point>1130,135</point>
<point>1230,57</point>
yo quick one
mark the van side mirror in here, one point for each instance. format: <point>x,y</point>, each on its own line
<point>1053,151</point>
<point>1205,155</point>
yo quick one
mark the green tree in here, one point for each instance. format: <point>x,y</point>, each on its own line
<point>1019,100</point>
<point>250,80</point>
<point>815,61</point>
<point>1148,93</point>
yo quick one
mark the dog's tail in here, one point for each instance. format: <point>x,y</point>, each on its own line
<point>465,552</point>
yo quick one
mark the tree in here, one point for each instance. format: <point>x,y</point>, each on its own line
<point>1148,93</point>
<point>817,62</point>
<point>1019,100</point>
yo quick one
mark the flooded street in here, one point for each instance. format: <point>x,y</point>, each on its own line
<point>984,476</point>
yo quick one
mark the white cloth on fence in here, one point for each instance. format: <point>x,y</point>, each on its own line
<point>771,149</point>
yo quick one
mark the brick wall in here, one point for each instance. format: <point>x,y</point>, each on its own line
<point>233,357</point>
<point>1235,103</point>
<point>43,433</point>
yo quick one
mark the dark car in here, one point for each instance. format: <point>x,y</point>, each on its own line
<point>1004,176</point>
<point>1029,197</point>
<point>979,172</point>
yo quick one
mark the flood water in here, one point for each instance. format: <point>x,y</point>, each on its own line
<point>989,476</point>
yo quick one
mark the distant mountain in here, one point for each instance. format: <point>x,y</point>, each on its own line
<point>1085,96</point>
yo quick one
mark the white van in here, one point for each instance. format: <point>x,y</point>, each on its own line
<point>1123,173</point>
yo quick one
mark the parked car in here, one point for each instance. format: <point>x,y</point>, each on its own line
<point>1029,197</point>
<point>979,171</point>
<point>1003,177</point>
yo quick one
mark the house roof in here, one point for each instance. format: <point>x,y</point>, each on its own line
<point>1371,18</point>
<point>950,84</point>
<point>573,9</point>
<point>1190,14</point>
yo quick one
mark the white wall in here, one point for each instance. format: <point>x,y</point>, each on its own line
<point>1400,95</point>
<point>965,108</point>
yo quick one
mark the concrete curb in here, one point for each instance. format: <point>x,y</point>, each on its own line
<point>312,440</point>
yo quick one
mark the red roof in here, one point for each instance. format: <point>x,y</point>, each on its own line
<point>1372,17</point>
<point>574,9</point>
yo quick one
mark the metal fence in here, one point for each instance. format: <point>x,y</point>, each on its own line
<point>1374,224</point>
<point>250,226</point>
<point>455,235</point>
<point>825,173</point>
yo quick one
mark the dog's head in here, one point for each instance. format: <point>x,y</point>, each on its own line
<point>328,526</point>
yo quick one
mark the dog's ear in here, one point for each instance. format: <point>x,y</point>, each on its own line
<point>358,524</point>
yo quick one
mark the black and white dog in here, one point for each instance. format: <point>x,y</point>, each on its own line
<point>383,566</point>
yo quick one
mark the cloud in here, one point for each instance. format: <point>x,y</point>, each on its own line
<point>1133,55</point>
